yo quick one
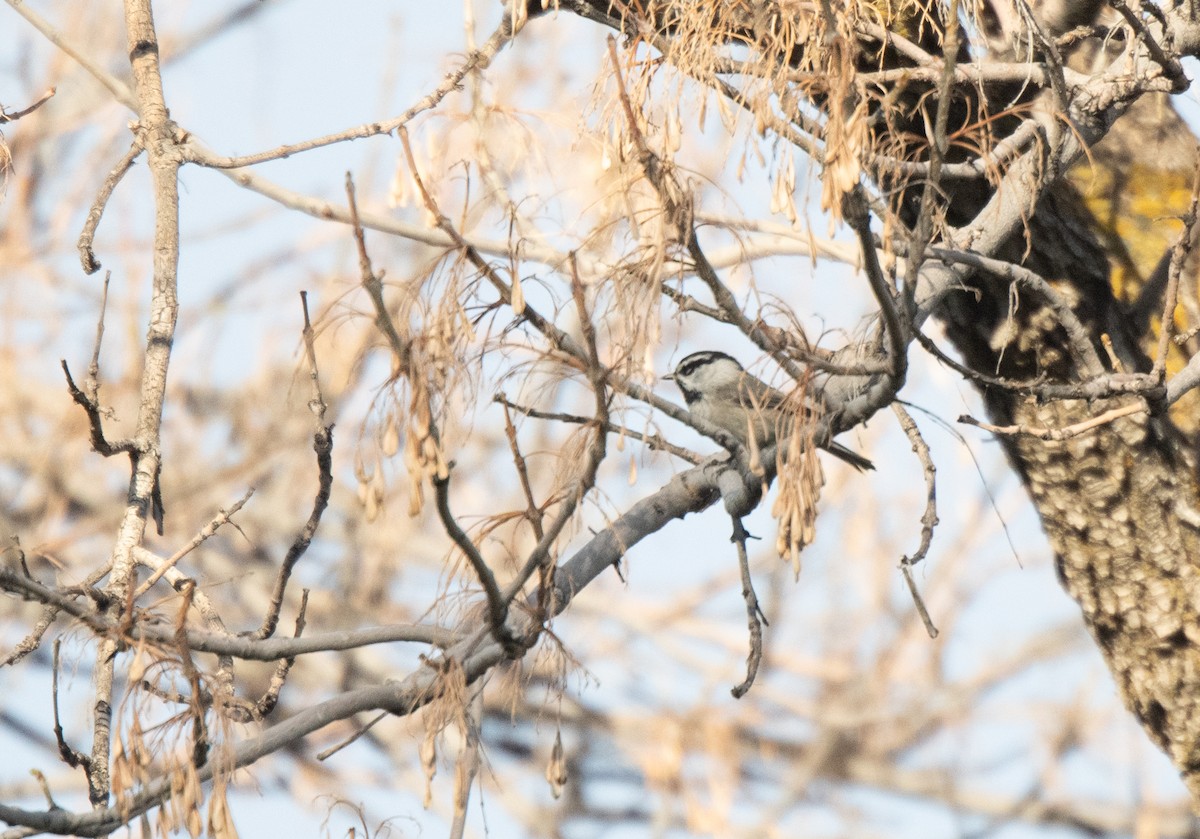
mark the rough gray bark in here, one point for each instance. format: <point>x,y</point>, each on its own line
<point>1118,505</point>
<point>1119,508</point>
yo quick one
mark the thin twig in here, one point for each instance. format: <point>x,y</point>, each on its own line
<point>1064,433</point>
<point>533,513</point>
<point>1100,387</point>
<point>929,519</point>
<point>687,303</point>
<point>45,787</point>
<point>87,256</point>
<point>34,639</point>
<point>1179,254</point>
<point>353,738</point>
<point>100,444</point>
<point>1184,337</point>
<point>117,87</point>
<point>33,590</point>
<point>373,283</point>
<point>70,756</point>
<point>890,38</point>
<point>49,614</point>
<point>854,208</point>
<point>323,446</point>
<point>270,698</point>
<point>222,643</point>
<point>496,601</point>
<point>1111,353</point>
<point>652,441</point>
<point>7,116</point>
<point>205,533</point>
<point>983,379</point>
<point>479,58</point>
<point>200,737</point>
<point>754,614</point>
<point>91,385</point>
<point>918,601</point>
<point>1171,67</point>
<point>1005,151</point>
<point>985,72</point>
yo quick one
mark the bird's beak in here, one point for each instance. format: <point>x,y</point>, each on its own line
<point>670,377</point>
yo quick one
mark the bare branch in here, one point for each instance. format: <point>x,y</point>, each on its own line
<point>1179,254</point>
<point>652,441</point>
<point>266,704</point>
<point>497,601</point>
<point>34,639</point>
<point>87,256</point>
<point>1185,381</point>
<point>70,756</point>
<point>895,328</point>
<point>119,90</point>
<point>205,533</point>
<point>929,519</point>
<point>220,643</point>
<point>6,116</point>
<point>754,615</point>
<point>95,421</point>
<point>155,132</point>
<point>1060,433</point>
<point>468,763</point>
<point>477,59</point>
<point>373,283</point>
<point>323,446</point>
<point>1170,65</point>
<point>533,512</point>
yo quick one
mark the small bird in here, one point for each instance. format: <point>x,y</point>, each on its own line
<point>718,390</point>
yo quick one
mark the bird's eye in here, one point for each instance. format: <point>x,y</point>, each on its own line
<point>690,367</point>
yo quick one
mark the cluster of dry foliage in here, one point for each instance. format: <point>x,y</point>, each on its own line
<point>488,346</point>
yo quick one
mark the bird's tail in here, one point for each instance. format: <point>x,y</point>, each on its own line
<point>849,456</point>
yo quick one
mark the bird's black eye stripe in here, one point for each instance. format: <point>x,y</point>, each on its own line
<point>697,360</point>
<point>689,367</point>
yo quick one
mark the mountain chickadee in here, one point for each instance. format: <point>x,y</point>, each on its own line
<point>718,390</point>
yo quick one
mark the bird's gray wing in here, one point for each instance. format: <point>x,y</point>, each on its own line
<point>758,394</point>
